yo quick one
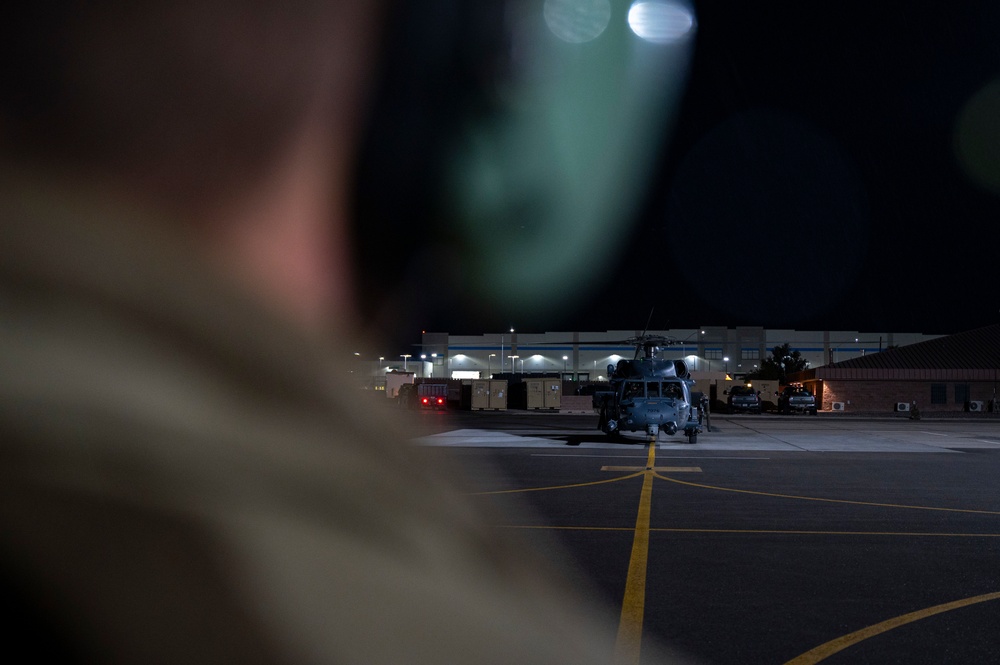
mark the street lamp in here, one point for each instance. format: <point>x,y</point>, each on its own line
<point>512,360</point>
<point>726,360</point>
<point>489,365</point>
<point>405,356</point>
<point>565,363</point>
<point>501,347</point>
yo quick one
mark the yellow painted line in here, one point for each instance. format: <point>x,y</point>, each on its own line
<point>629,641</point>
<point>560,487</point>
<point>815,498</point>
<point>663,469</point>
<point>824,651</point>
<point>565,528</point>
<point>794,532</point>
<point>765,532</point>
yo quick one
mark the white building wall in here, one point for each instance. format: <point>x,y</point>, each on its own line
<point>586,355</point>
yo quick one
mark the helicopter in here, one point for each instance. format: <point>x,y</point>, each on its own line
<point>650,393</point>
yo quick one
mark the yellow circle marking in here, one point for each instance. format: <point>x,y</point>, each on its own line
<point>824,651</point>
<point>560,487</point>
<point>814,498</point>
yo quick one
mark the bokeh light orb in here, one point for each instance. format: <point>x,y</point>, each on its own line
<point>577,21</point>
<point>977,137</point>
<point>767,218</point>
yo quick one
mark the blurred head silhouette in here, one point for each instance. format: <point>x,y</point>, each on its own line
<point>235,120</point>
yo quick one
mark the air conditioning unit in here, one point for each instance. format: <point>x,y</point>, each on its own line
<point>838,406</point>
<point>977,406</point>
<point>902,406</point>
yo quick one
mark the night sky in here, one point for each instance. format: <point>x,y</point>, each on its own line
<point>826,143</point>
<point>830,166</point>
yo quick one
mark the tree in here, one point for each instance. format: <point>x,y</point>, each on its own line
<point>783,361</point>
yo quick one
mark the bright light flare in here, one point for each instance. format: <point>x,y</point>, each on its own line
<point>661,22</point>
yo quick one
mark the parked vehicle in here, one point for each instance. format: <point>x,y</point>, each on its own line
<point>743,399</point>
<point>796,399</point>
<point>432,395</point>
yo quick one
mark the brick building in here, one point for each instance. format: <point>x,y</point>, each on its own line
<point>953,373</point>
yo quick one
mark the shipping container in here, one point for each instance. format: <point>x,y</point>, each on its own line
<point>489,394</point>
<point>545,393</point>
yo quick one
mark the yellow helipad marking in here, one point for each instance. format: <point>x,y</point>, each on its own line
<point>824,651</point>
<point>629,641</point>
<point>800,532</point>
<point>560,487</point>
<point>768,532</point>
<point>662,469</point>
<point>824,500</point>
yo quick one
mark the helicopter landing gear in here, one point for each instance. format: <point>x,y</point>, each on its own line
<point>610,426</point>
<point>652,432</point>
<point>692,436</point>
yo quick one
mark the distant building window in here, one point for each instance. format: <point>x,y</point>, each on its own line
<point>713,354</point>
<point>751,354</point>
<point>961,393</point>
<point>939,393</point>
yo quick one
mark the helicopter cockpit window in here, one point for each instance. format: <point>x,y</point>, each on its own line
<point>652,389</point>
<point>671,390</point>
<point>633,389</point>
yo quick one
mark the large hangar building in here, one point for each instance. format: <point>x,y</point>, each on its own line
<point>585,356</point>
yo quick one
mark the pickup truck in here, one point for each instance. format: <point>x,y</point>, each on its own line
<point>743,399</point>
<point>795,399</point>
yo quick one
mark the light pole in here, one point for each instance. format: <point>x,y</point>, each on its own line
<point>565,364</point>
<point>380,359</point>
<point>405,356</point>
<point>501,347</point>
<point>513,359</point>
<point>726,360</point>
<point>489,365</point>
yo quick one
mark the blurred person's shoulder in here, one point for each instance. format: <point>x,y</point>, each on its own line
<point>170,433</point>
<point>109,315</point>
